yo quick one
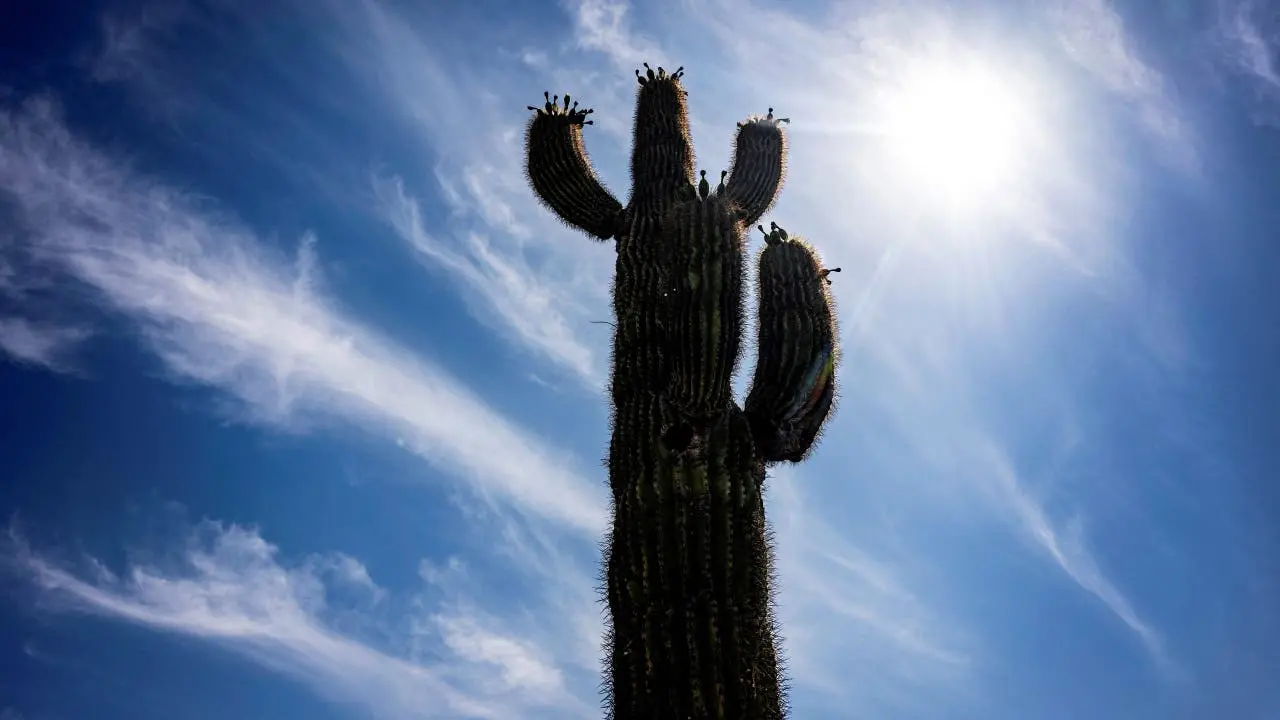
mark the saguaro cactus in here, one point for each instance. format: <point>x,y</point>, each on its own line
<point>688,563</point>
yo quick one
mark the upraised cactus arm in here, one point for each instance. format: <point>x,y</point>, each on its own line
<point>561,173</point>
<point>794,383</point>
<point>759,163</point>
<point>662,154</point>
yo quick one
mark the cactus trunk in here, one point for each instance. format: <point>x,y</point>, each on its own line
<point>688,567</point>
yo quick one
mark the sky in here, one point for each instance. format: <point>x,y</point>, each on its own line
<point>302,393</point>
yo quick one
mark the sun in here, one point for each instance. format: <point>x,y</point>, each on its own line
<point>955,128</point>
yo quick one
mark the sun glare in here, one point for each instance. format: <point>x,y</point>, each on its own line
<point>955,128</point>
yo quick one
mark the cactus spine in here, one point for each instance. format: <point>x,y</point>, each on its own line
<point>688,563</point>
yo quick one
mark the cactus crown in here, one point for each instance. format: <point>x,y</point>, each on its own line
<point>688,570</point>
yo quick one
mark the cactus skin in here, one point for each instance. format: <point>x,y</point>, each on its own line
<point>688,562</point>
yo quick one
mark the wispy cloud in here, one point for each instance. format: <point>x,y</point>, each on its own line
<point>537,282</point>
<point>1068,550</point>
<point>221,311</point>
<point>1093,35</point>
<point>847,612</point>
<point>12,283</point>
<point>45,345</point>
<point>131,50</point>
<point>505,283</point>
<point>602,26</point>
<point>230,587</point>
<point>126,51</point>
<point>459,621</point>
<point>1243,21</point>
<point>930,397</point>
<point>1249,34</point>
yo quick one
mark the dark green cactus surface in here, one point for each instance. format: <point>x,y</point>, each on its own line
<point>688,565</point>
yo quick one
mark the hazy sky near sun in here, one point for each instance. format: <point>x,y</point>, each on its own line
<point>302,398</point>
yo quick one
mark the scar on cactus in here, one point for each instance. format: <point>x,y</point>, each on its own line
<point>688,571</point>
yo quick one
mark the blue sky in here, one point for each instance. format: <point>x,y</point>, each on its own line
<point>303,392</point>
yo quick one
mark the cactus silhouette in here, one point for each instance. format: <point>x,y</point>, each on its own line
<point>688,567</point>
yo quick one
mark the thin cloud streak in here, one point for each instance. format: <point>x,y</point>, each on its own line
<point>220,312</point>
<point>1068,551</point>
<point>928,396</point>
<point>233,590</point>
<point>43,345</point>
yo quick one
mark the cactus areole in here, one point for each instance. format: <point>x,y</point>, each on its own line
<point>688,567</point>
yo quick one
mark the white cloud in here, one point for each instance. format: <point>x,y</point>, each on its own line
<point>220,311</point>
<point>231,588</point>
<point>45,345</point>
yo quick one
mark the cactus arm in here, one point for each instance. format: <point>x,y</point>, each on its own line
<point>793,389</point>
<point>759,165</point>
<point>561,174</point>
<point>662,176</point>
<point>662,153</point>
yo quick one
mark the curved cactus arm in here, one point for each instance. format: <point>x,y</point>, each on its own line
<point>662,154</point>
<point>794,384</point>
<point>759,166</point>
<point>560,172</point>
<point>704,305</point>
